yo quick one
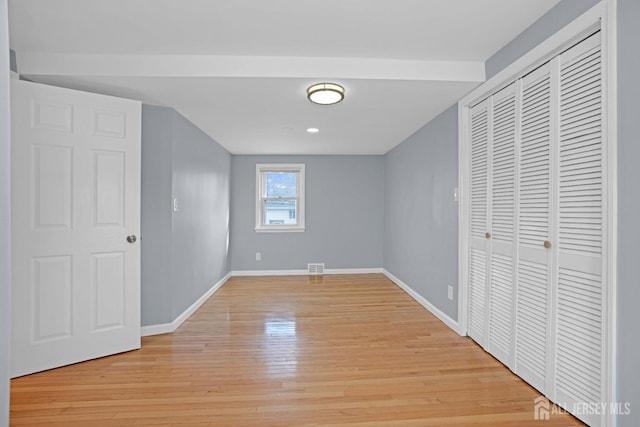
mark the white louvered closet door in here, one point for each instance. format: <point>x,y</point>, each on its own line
<point>501,273</point>
<point>580,296</point>
<point>536,267</point>
<point>478,253</point>
<point>534,215</point>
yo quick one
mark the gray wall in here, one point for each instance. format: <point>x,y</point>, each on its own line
<point>156,215</point>
<point>628,209</point>
<point>549,24</point>
<point>344,200</point>
<point>420,214</point>
<point>5,222</point>
<point>420,223</point>
<point>201,174</point>
<point>184,253</point>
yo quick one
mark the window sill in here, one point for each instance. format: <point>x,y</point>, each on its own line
<point>279,230</point>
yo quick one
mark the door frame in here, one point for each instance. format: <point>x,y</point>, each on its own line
<point>603,16</point>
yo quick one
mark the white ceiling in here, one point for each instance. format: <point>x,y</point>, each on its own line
<point>239,69</point>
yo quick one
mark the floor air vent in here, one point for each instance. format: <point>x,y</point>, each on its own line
<point>317,268</point>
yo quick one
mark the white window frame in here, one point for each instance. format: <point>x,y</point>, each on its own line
<point>261,170</point>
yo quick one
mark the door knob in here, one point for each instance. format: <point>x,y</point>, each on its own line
<point>487,235</point>
<point>132,238</point>
<point>547,244</point>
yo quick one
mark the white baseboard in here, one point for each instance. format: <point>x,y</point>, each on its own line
<point>305,272</point>
<point>241,273</point>
<point>166,328</point>
<point>426,304</point>
<point>353,271</point>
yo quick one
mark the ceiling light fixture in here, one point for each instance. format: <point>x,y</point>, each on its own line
<point>313,130</point>
<point>325,93</point>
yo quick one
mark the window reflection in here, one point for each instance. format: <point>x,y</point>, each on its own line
<point>280,346</point>
<point>280,326</point>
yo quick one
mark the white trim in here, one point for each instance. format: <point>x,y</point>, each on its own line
<point>464,177</point>
<point>426,304</point>
<point>14,75</point>
<point>298,168</point>
<point>245,273</point>
<point>166,328</point>
<point>354,271</point>
<point>610,43</point>
<point>280,229</point>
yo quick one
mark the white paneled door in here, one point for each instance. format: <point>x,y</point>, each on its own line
<point>75,221</point>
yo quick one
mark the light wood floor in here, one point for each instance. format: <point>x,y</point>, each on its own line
<point>289,351</point>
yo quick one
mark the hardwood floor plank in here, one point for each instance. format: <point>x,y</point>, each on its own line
<point>289,351</point>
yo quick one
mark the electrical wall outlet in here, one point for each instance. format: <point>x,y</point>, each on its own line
<point>450,292</point>
<point>258,256</point>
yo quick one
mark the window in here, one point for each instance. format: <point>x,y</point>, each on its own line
<point>280,197</point>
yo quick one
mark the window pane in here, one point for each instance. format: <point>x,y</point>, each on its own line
<point>281,184</point>
<point>280,212</point>
<point>280,197</point>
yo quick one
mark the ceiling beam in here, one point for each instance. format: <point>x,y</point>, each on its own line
<point>247,66</point>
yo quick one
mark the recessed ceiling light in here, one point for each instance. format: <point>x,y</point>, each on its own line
<point>313,130</point>
<point>325,93</point>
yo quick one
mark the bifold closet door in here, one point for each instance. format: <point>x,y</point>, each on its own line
<point>502,208</point>
<point>493,195</point>
<point>537,274</point>
<point>534,228</point>
<point>479,241</point>
<point>580,295</point>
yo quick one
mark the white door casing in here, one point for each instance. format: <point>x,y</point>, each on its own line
<point>75,199</point>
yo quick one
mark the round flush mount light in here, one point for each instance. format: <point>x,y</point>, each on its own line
<point>325,93</point>
<point>313,130</point>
